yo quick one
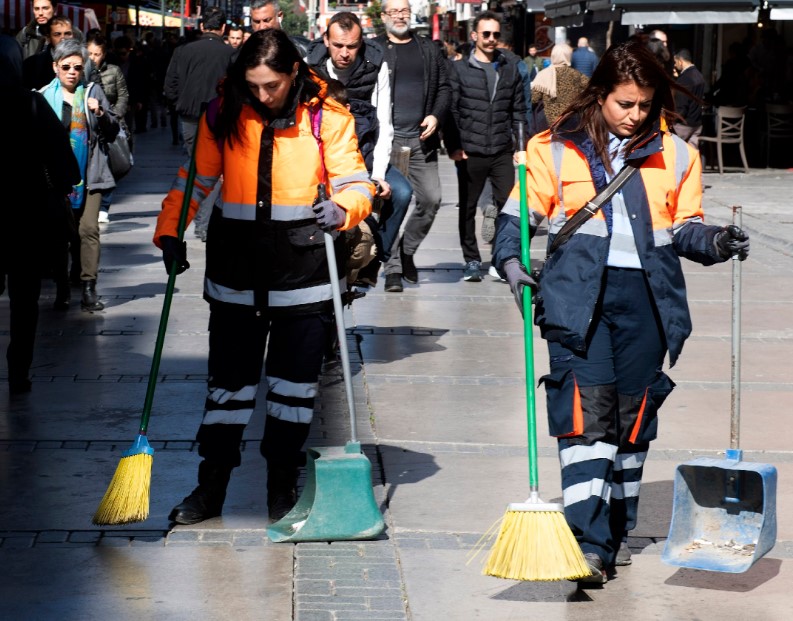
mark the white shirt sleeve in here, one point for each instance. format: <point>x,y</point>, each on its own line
<point>381,99</point>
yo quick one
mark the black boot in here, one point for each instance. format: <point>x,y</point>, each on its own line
<point>206,500</point>
<point>281,491</point>
<point>90,300</point>
<point>63,294</point>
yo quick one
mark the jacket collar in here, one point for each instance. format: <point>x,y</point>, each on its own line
<point>651,144</point>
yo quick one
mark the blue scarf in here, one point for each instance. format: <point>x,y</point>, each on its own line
<point>78,132</point>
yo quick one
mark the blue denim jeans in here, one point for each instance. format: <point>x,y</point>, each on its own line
<point>393,213</point>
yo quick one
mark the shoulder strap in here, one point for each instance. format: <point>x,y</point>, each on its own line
<point>315,113</point>
<point>593,206</point>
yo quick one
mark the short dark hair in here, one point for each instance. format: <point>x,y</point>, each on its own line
<point>485,15</point>
<point>684,54</point>
<point>337,90</point>
<point>214,19</point>
<point>346,21</point>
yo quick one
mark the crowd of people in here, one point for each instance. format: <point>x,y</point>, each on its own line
<point>291,141</point>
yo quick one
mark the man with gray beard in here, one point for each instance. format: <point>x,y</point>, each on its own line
<point>418,67</point>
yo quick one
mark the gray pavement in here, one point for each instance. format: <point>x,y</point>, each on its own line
<point>438,383</point>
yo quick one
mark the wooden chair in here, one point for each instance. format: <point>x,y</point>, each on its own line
<point>729,130</point>
<point>779,124</point>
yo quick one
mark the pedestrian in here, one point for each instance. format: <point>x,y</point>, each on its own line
<point>234,35</point>
<point>421,96</point>
<point>359,64</point>
<point>86,113</point>
<point>110,77</point>
<point>33,37</point>
<point>266,279</point>
<point>688,103</point>
<point>584,58</point>
<point>37,69</point>
<point>40,176</point>
<point>612,301</point>
<point>559,85</point>
<point>268,14</point>
<point>487,115</point>
<point>533,62</point>
<point>191,81</point>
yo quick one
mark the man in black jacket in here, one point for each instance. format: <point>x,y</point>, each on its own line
<point>690,109</point>
<point>488,108</point>
<point>417,67</point>
<point>192,80</point>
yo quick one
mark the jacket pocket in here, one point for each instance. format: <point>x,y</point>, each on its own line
<point>308,236</point>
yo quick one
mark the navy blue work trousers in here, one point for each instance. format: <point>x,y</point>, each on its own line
<point>603,405</point>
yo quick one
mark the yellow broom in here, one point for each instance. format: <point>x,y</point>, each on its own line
<point>534,541</point>
<point>127,497</point>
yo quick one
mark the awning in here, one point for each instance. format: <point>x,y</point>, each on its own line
<point>15,15</point>
<point>695,12</point>
<point>634,12</point>
<point>781,10</point>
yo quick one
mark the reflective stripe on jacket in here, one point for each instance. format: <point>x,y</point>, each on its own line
<point>264,247</point>
<point>664,203</point>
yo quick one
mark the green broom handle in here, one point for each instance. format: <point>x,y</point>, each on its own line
<point>528,323</point>
<point>166,304</point>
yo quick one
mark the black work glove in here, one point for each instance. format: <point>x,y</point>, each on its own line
<point>732,240</point>
<point>174,250</point>
<point>329,215</point>
<point>518,278</point>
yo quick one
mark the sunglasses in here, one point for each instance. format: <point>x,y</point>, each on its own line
<point>77,68</point>
<point>486,34</point>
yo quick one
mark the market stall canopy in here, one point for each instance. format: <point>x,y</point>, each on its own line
<point>16,14</point>
<point>634,12</point>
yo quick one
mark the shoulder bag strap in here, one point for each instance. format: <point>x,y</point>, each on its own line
<point>593,206</point>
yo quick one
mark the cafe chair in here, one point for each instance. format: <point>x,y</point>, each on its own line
<point>779,125</point>
<point>729,130</point>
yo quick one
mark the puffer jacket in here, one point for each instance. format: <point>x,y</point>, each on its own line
<point>115,87</point>
<point>665,205</point>
<point>264,248</point>
<point>479,123</point>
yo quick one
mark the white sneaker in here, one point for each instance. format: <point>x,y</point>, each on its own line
<point>493,273</point>
<point>104,217</point>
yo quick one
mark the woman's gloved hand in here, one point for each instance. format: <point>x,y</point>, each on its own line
<point>518,278</point>
<point>174,250</point>
<point>329,215</point>
<point>732,240</point>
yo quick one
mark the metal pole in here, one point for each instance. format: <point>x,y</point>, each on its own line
<point>181,21</point>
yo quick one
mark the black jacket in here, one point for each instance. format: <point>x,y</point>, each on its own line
<point>478,123</point>
<point>363,77</point>
<point>690,109</point>
<point>194,73</point>
<point>437,93</point>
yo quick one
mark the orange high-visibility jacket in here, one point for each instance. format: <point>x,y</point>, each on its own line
<point>263,246</point>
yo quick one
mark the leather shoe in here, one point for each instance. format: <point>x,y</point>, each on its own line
<point>393,283</point>
<point>409,271</point>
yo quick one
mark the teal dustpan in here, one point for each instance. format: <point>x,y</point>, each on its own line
<point>724,513</point>
<point>337,503</point>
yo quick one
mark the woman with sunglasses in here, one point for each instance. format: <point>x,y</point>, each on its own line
<point>274,136</point>
<point>612,297</point>
<point>86,113</point>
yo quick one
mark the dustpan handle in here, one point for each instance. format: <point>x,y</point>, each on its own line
<point>338,309</point>
<point>735,358</point>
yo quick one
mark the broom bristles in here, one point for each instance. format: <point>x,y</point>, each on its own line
<point>536,545</point>
<point>127,497</point>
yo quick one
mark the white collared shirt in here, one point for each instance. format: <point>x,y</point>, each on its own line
<point>622,250</point>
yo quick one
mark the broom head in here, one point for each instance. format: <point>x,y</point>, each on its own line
<point>127,498</point>
<point>535,543</point>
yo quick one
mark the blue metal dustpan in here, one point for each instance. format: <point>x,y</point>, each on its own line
<point>724,515</point>
<point>337,502</point>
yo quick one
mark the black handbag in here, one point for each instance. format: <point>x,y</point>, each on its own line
<point>119,156</point>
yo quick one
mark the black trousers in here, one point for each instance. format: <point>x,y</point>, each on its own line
<point>471,176</point>
<point>22,278</point>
